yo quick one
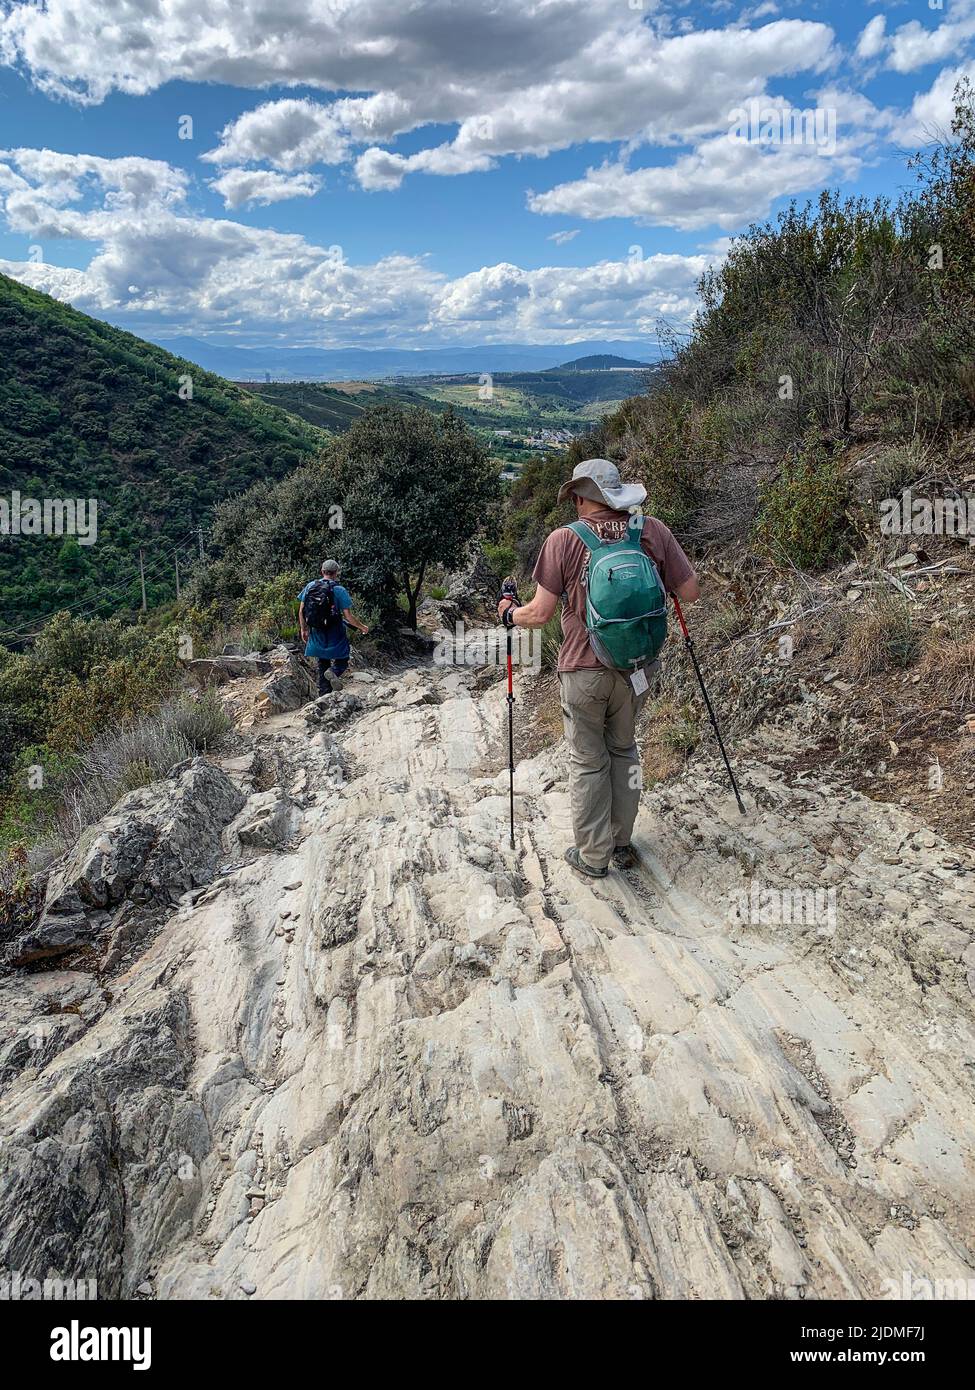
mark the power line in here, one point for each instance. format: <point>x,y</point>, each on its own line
<point>153,567</point>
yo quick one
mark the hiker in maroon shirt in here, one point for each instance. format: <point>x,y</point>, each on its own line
<point>599,703</point>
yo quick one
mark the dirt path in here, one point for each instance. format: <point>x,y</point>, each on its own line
<point>453,1071</point>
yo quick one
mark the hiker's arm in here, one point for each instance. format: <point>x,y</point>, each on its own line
<point>690,591</point>
<point>302,625</point>
<point>534,614</point>
<point>353,622</point>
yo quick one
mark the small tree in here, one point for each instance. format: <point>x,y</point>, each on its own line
<point>417,488</point>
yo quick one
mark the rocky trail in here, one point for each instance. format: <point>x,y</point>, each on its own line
<point>342,1042</point>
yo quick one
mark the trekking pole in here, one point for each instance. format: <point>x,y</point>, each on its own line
<point>511,744</point>
<point>707,700</point>
<point>508,591</point>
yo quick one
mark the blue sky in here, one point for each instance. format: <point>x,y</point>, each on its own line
<point>369,173</point>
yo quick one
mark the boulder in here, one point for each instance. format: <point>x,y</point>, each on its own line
<point>290,684</point>
<point>268,820</point>
<point>332,710</point>
<point>217,670</point>
<point>154,845</point>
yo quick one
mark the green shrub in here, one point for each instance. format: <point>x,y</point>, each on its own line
<point>202,720</point>
<point>272,604</point>
<point>803,514</point>
<point>500,559</point>
<point>879,634</point>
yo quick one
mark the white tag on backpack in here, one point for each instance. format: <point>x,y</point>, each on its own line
<point>639,682</point>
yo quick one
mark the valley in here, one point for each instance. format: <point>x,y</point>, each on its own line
<point>514,414</point>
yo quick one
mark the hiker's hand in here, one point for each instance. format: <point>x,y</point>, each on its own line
<point>363,630</point>
<point>508,598</point>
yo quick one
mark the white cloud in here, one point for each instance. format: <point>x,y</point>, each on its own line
<point>873,39</point>
<point>238,187</point>
<point>516,77</point>
<point>383,169</point>
<point>913,46</point>
<point>153,263</point>
<point>562,238</point>
<point>724,182</point>
<point>128,183</point>
<point>932,111</point>
<point>85,49</point>
<point>546,304</point>
<point>663,90</point>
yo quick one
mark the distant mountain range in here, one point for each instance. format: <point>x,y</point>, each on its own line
<point>371,364</point>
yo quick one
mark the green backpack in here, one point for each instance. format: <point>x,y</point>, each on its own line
<point>626,606</point>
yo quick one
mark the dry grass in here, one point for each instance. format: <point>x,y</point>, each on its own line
<point>949,668</point>
<point>879,635</point>
<point>670,733</point>
<point>127,757</point>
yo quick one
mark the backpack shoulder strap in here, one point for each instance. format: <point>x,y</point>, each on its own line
<point>586,534</point>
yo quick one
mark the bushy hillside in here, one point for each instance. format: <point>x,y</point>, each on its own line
<point>840,324</point>
<point>87,411</point>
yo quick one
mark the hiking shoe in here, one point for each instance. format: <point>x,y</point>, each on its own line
<point>575,860</point>
<point>625,857</point>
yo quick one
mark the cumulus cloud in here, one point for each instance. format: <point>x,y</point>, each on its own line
<point>518,77</point>
<point>155,262</point>
<point>873,39</point>
<point>85,49</point>
<point>724,182</point>
<point>628,297</point>
<point>665,89</point>
<point>932,111</point>
<point>913,46</point>
<point>127,183</point>
<point>377,168</point>
<point>240,187</point>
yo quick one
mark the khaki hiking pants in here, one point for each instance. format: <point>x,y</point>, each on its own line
<point>599,710</point>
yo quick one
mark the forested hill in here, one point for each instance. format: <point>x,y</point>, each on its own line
<point>88,411</point>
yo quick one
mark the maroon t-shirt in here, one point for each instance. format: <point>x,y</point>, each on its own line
<point>564,562</point>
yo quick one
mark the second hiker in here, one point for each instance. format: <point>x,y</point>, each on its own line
<point>614,605</point>
<point>325,611</point>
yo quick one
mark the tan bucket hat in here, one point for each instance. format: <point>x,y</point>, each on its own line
<point>599,480</point>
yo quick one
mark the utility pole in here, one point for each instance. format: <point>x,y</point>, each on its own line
<point>177,576</point>
<point>142,579</point>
